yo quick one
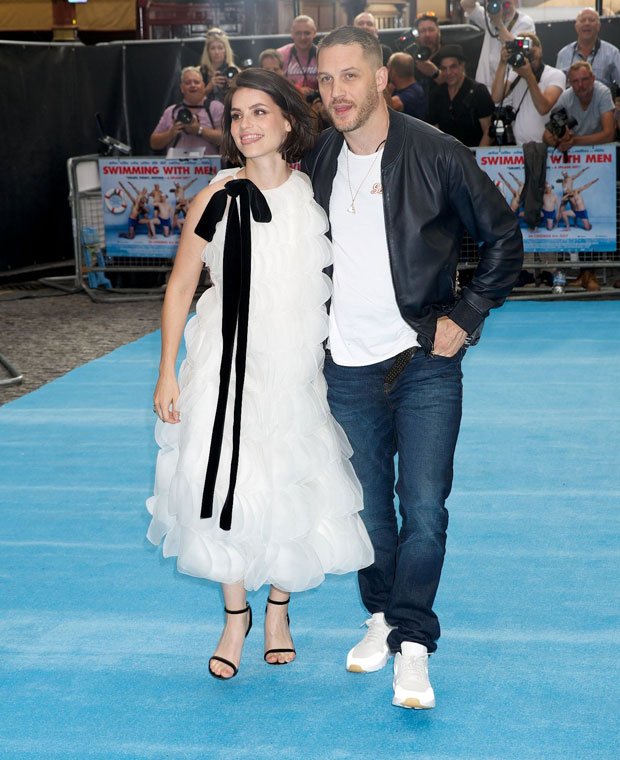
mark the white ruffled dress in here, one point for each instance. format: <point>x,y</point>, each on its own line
<point>296,501</point>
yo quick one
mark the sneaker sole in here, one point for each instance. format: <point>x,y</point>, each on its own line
<point>355,667</point>
<point>412,703</point>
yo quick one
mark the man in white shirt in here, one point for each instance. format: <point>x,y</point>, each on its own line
<point>399,194</point>
<point>532,89</point>
<point>498,29</point>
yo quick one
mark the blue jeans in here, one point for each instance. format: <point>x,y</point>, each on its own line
<point>418,418</point>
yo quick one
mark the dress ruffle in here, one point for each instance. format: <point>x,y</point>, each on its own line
<point>295,514</point>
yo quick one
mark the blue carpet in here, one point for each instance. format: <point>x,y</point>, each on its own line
<point>105,646</point>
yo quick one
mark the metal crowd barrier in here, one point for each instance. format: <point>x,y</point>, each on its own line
<point>106,279</point>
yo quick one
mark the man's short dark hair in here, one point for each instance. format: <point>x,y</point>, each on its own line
<point>353,35</point>
<point>288,99</point>
<point>426,16</point>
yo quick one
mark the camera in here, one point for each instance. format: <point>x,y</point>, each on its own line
<point>408,43</point>
<point>501,126</point>
<point>559,122</point>
<point>494,7</point>
<point>518,49</point>
<point>184,115</point>
<point>230,73</point>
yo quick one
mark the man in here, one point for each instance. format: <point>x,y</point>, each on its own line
<point>427,72</point>
<point>531,89</point>
<point>399,195</point>
<point>299,56</point>
<point>202,131</point>
<point>368,22</point>
<point>602,56</point>
<point>509,23</point>
<point>591,104</point>
<point>271,60</point>
<point>460,107</point>
<point>406,94</point>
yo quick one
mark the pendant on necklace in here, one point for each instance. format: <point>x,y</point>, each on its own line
<point>351,209</point>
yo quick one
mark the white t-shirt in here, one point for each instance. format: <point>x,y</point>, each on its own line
<point>365,325</point>
<point>491,46</point>
<point>529,124</point>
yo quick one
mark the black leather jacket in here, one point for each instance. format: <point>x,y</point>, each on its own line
<point>432,191</point>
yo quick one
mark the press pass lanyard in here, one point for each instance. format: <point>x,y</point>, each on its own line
<point>304,71</point>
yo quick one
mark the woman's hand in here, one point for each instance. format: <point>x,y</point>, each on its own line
<point>165,399</point>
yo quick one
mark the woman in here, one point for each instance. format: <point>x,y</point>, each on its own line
<point>217,64</point>
<point>259,492</point>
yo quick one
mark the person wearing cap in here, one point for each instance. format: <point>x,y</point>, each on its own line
<point>460,106</point>
<point>498,29</point>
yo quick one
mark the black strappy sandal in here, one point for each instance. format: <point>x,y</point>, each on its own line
<point>276,651</point>
<point>230,664</point>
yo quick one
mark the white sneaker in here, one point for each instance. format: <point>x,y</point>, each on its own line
<point>411,685</point>
<point>372,652</point>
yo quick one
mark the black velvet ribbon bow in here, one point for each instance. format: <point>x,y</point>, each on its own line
<point>235,310</point>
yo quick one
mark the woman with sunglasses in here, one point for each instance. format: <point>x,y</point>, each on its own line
<point>253,483</point>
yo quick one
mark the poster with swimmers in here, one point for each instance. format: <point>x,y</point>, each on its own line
<point>145,202</point>
<point>579,203</point>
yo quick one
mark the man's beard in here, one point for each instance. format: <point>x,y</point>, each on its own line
<point>364,112</point>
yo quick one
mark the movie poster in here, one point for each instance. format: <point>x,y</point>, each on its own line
<point>145,202</point>
<point>579,203</point>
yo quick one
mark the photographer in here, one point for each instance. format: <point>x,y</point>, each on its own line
<point>217,64</point>
<point>460,107</point>
<point>427,70</point>
<point>500,22</point>
<point>588,112</point>
<point>193,124</point>
<point>531,88</point>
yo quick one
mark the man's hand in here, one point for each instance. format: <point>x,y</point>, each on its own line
<point>449,337</point>
<point>567,141</point>
<point>193,128</point>
<point>526,72</point>
<point>427,68</point>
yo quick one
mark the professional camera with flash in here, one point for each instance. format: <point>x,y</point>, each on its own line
<point>519,49</point>
<point>559,122</point>
<point>409,43</point>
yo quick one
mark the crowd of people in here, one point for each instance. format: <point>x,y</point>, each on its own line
<point>509,102</point>
<point>431,83</point>
<point>278,392</point>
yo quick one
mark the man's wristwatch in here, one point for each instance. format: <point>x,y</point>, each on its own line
<point>200,131</point>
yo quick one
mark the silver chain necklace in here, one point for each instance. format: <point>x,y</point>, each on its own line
<point>351,208</point>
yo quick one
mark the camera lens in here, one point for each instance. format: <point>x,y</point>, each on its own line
<point>230,72</point>
<point>184,115</point>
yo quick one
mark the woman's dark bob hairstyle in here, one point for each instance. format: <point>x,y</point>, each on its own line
<point>303,131</point>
